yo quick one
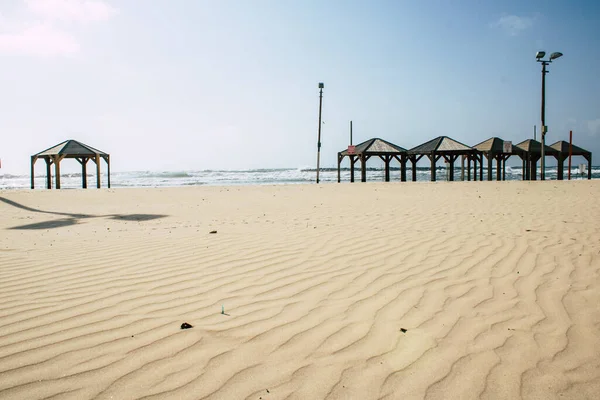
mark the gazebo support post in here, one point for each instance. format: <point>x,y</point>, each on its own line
<point>498,166</point>
<point>57,171</point>
<point>386,160</point>
<point>363,168</point>
<point>352,159</point>
<point>97,159</point>
<point>33,160</point>
<point>450,159</point>
<point>84,172</point>
<point>489,165</point>
<point>108,170</point>
<point>48,172</point>
<point>84,161</point>
<point>403,168</point>
<point>339,166</point>
<point>453,159</point>
<point>481,167</point>
<point>414,159</point>
<point>433,160</point>
<point>560,167</point>
<point>589,160</point>
<point>469,168</point>
<point>533,168</point>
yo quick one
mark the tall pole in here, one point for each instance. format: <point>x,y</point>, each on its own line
<point>534,135</point>
<point>570,152</point>
<point>350,133</point>
<point>319,138</point>
<point>543,172</point>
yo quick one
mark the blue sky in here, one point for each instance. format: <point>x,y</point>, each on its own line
<point>186,84</point>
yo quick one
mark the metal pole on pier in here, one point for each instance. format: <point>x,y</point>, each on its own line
<point>321,86</point>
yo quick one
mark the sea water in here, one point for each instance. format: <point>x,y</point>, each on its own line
<point>256,177</point>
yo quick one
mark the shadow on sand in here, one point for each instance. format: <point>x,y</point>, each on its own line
<point>74,218</point>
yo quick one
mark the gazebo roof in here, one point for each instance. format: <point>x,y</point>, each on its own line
<point>496,145</point>
<point>441,144</point>
<point>70,149</point>
<point>376,146</point>
<point>563,147</point>
<point>535,147</point>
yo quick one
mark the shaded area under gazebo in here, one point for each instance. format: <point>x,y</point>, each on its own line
<point>373,148</point>
<point>70,149</point>
<point>494,149</point>
<point>449,149</point>
<point>533,153</point>
<point>562,148</point>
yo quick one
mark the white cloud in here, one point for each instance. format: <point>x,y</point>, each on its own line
<point>71,10</point>
<point>41,30</point>
<point>39,40</point>
<point>513,24</point>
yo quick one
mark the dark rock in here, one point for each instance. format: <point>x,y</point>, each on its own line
<point>212,232</point>
<point>185,325</point>
<point>403,330</point>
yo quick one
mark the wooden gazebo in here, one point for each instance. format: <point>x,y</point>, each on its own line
<point>70,149</point>
<point>373,148</point>
<point>562,148</point>
<point>494,149</point>
<point>533,152</point>
<point>450,150</point>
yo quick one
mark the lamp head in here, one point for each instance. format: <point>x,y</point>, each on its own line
<point>540,54</point>
<point>321,86</point>
<point>556,55</point>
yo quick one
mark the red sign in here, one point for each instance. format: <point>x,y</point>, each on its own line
<point>351,149</point>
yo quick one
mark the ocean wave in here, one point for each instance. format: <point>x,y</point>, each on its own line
<point>258,176</point>
<point>159,174</point>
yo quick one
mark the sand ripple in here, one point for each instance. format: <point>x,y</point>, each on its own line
<point>499,297</point>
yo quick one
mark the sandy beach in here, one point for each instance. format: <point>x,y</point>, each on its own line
<point>464,290</point>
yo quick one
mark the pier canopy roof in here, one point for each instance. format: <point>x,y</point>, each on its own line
<point>534,148</point>
<point>70,149</point>
<point>440,145</point>
<point>375,147</point>
<point>495,145</point>
<point>563,147</point>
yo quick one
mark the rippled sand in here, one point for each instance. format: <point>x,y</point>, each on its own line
<point>460,290</point>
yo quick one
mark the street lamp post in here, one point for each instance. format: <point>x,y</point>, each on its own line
<point>321,86</point>
<point>540,58</point>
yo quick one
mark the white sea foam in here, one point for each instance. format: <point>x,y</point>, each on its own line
<point>279,176</point>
